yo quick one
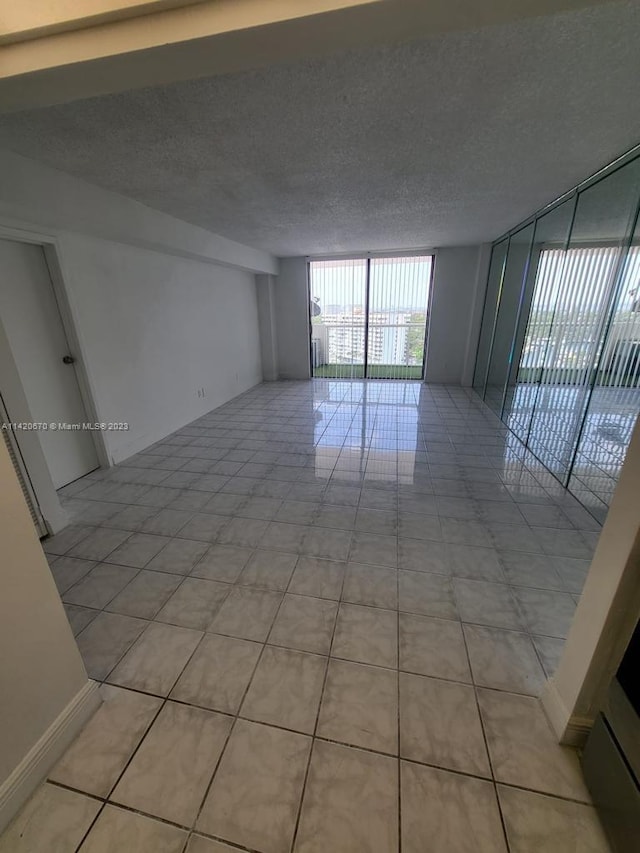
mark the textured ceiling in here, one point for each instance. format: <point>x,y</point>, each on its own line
<point>445,141</point>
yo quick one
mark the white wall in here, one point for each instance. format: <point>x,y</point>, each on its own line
<point>456,305</point>
<point>160,308</point>
<point>154,329</point>
<point>292,319</point>
<point>42,674</point>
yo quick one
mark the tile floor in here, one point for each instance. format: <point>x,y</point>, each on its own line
<point>322,614</point>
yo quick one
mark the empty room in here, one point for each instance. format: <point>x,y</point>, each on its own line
<point>319,389</point>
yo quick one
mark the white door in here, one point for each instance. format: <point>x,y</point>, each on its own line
<point>31,320</point>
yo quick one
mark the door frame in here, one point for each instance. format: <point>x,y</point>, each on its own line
<point>427,325</point>
<point>54,515</point>
<point>16,454</point>
<point>368,257</point>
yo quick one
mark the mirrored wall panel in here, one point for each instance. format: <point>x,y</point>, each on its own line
<point>613,404</point>
<point>533,327</point>
<point>509,305</point>
<point>492,298</point>
<point>559,350</point>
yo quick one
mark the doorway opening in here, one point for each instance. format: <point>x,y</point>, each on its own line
<point>369,317</point>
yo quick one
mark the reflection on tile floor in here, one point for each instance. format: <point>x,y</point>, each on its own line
<point>322,614</point>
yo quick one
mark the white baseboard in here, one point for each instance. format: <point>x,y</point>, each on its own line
<point>33,768</point>
<point>570,730</point>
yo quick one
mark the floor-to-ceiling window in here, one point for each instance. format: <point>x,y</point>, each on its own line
<point>369,317</point>
<point>559,351</point>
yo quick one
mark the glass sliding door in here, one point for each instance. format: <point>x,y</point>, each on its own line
<point>397,322</point>
<point>338,294</point>
<point>369,317</point>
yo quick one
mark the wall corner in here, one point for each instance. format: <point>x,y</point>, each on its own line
<point>267,325</point>
<point>49,748</point>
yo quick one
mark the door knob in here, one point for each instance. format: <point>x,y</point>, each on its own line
<point>68,359</point>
